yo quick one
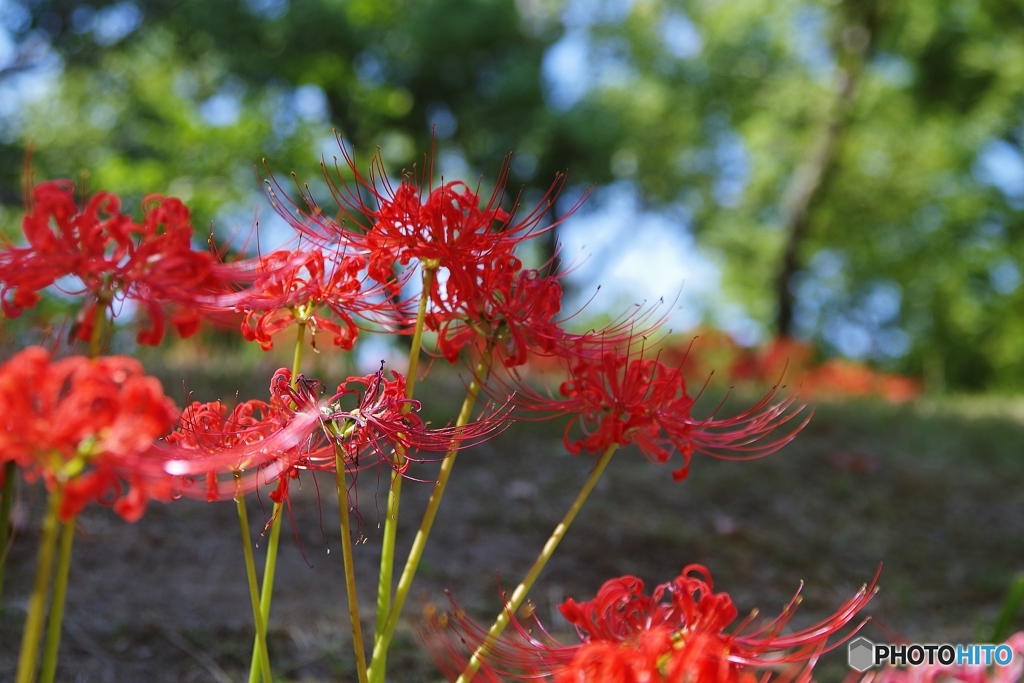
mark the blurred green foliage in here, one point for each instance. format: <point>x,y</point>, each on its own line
<point>854,165</point>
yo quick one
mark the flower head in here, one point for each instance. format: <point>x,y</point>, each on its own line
<point>258,443</point>
<point>516,312</point>
<point>468,239</point>
<point>253,444</point>
<point>86,426</point>
<point>114,258</point>
<point>323,291</point>
<point>677,634</point>
<point>622,398</point>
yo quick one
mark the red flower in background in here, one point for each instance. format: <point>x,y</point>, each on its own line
<point>88,426</point>
<point>623,399</point>
<point>675,635</point>
<point>321,291</point>
<point>115,258</point>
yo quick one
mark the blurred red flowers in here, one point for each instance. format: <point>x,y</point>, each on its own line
<point>87,426</point>
<point>111,255</point>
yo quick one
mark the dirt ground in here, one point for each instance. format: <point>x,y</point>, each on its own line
<point>932,490</point>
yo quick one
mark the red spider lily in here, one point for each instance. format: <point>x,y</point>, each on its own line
<point>152,263</point>
<point>449,227</point>
<point>259,443</point>
<point>86,425</point>
<point>521,311</point>
<point>324,292</point>
<point>385,419</point>
<point>471,246</point>
<point>623,399</point>
<point>675,635</point>
<point>253,444</point>
<point>518,314</point>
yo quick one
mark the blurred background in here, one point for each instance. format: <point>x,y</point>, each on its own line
<point>848,173</point>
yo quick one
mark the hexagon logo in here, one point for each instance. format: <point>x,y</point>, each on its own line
<point>861,654</point>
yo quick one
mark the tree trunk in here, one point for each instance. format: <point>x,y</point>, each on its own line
<point>807,181</point>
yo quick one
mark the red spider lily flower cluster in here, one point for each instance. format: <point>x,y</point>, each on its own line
<point>114,257</point>
<point>323,291</point>
<point>87,426</point>
<point>263,440</point>
<point>675,635</point>
<point>448,226</point>
<point>481,290</point>
<point>622,398</point>
<point>385,419</point>
<point>91,427</point>
<point>518,314</point>
<point>259,443</point>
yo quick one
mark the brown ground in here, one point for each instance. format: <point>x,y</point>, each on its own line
<point>933,490</point>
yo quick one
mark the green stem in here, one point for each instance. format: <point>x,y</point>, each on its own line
<point>37,602</point>
<point>254,591</point>
<point>297,356</point>
<point>383,640</point>
<point>387,554</point>
<point>6,499</point>
<point>60,591</point>
<point>531,577</point>
<point>417,333</point>
<point>270,564</point>
<point>99,319</point>
<point>267,591</point>
<point>350,569</point>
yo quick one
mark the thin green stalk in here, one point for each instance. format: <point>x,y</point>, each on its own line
<point>37,602</point>
<point>387,554</point>
<point>97,327</point>
<point>6,498</point>
<point>266,593</point>
<point>297,356</point>
<point>60,590</point>
<point>383,641</point>
<point>350,569</point>
<point>254,591</point>
<point>417,333</point>
<point>270,564</point>
<point>523,588</point>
